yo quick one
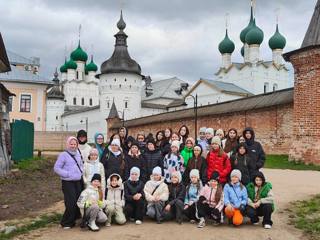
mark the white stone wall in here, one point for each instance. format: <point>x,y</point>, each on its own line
<point>55,108</point>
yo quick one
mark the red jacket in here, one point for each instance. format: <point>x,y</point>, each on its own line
<point>220,164</point>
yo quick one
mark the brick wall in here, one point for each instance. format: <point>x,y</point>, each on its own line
<point>51,141</point>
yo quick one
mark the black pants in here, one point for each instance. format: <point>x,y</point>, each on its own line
<point>190,212</point>
<point>204,210</point>
<point>176,211</point>
<point>135,209</point>
<point>71,192</point>
<point>264,210</point>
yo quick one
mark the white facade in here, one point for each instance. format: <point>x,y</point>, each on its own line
<point>55,109</point>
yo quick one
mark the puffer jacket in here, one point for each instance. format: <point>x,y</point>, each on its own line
<point>235,194</point>
<point>88,195</point>
<point>113,164</point>
<point>187,154</point>
<point>209,194</point>
<point>162,191</point>
<point>171,163</point>
<point>134,161</point>
<point>176,192</point>
<point>220,164</point>
<point>89,169</point>
<point>242,163</point>
<point>115,196</point>
<point>199,163</point>
<point>131,188</point>
<point>152,159</point>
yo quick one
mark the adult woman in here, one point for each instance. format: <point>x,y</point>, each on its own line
<point>160,139</point>
<point>69,167</point>
<point>230,143</point>
<point>184,134</point>
<point>99,142</point>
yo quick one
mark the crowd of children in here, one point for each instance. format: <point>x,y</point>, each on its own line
<point>215,178</point>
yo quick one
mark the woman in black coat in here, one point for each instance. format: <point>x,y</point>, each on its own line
<point>152,158</point>
<point>134,159</point>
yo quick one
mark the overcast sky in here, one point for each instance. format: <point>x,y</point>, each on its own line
<point>167,38</point>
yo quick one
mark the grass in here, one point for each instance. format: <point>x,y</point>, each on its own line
<point>41,222</point>
<point>305,215</point>
<point>32,164</point>
<point>281,162</point>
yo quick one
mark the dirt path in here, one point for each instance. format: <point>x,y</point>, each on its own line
<point>288,186</point>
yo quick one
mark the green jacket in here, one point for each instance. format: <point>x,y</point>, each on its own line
<point>264,193</point>
<point>187,154</point>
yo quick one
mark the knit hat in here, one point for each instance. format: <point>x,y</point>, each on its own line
<point>135,170</point>
<point>116,142</point>
<point>194,173</point>
<point>176,144</point>
<point>220,132</point>
<point>96,176</point>
<point>191,140</point>
<point>135,143</point>
<point>236,173</point>
<point>216,140</point>
<point>202,130</point>
<point>210,130</point>
<point>151,140</point>
<point>215,176</point>
<point>177,174</point>
<point>157,171</point>
<point>94,151</point>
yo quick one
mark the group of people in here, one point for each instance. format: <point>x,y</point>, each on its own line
<point>166,176</point>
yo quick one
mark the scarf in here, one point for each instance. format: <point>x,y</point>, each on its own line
<point>117,153</point>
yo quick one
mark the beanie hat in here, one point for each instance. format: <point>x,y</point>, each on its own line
<point>215,176</point>
<point>96,176</point>
<point>94,151</point>
<point>191,140</point>
<point>236,173</point>
<point>151,140</point>
<point>116,142</point>
<point>134,170</point>
<point>216,140</point>
<point>219,131</point>
<point>135,143</point>
<point>81,133</point>
<point>209,130</point>
<point>176,144</point>
<point>194,173</point>
<point>177,174</point>
<point>202,130</point>
<point>157,171</point>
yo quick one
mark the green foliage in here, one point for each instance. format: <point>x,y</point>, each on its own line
<point>281,162</point>
<point>31,164</point>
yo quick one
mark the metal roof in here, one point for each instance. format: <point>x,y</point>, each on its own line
<point>15,58</point>
<point>312,36</point>
<point>78,109</point>
<point>113,111</point>
<point>227,87</point>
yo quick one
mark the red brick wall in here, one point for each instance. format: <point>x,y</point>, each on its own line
<point>273,126</point>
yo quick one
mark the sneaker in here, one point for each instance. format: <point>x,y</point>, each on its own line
<point>202,223</point>
<point>267,226</point>
<point>192,221</point>
<point>66,228</point>
<point>138,222</point>
<point>93,227</point>
<point>108,224</point>
<point>256,223</point>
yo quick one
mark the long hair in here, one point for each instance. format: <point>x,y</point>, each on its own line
<point>218,194</point>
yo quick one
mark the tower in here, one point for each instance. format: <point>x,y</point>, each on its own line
<point>277,43</point>
<point>226,48</point>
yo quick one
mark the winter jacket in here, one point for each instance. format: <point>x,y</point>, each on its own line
<point>152,159</point>
<point>165,147</point>
<point>265,195</point>
<point>235,194</point>
<point>187,154</point>
<point>67,168</point>
<point>219,164</point>
<point>176,192</point>
<point>242,162</point>
<point>172,163</point>
<point>204,145</point>
<point>134,161</point>
<point>162,190</point>
<point>131,188</point>
<point>89,195</point>
<point>85,151</point>
<point>89,169</point>
<point>192,193</point>
<point>196,163</point>
<point>115,196</point>
<point>113,164</point>
<point>209,193</point>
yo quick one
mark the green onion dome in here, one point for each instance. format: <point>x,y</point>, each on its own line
<point>242,51</point>
<point>63,68</point>
<point>277,41</point>
<point>79,55</point>
<point>255,35</point>
<point>71,64</point>
<point>226,45</point>
<point>247,29</point>
<point>91,66</point>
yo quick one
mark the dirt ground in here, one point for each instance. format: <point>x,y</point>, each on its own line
<point>288,186</point>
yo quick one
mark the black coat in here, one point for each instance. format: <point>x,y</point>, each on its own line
<point>165,147</point>
<point>113,164</point>
<point>131,188</point>
<point>130,162</point>
<point>152,159</point>
<point>201,165</point>
<point>242,163</point>
<point>176,192</point>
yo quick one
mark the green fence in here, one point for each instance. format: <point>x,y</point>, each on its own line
<point>22,137</point>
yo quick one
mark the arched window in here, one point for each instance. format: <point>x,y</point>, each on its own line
<point>74,101</point>
<point>90,101</point>
<point>266,87</point>
<point>82,101</point>
<point>275,87</point>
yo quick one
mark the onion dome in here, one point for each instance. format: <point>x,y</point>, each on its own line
<point>91,66</point>
<point>226,45</point>
<point>277,41</point>
<point>55,92</point>
<point>71,64</point>
<point>79,55</point>
<point>63,68</point>
<point>120,61</point>
<point>255,35</point>
<point>247,29</point>
<point>242,51</point>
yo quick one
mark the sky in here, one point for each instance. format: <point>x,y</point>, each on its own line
<point>167,38</point>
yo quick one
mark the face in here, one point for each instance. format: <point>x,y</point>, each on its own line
<point>174,179</point>
<point>114,148</point>
<point>93,156</point>
<point>122,132</point>
<point>114,182</point>
<point>232,134</point>
<point>100,139</point>
<point>215,146</point>
<point>160,136</point>
<point>134,176</point>
<point>189,144</point>
<point>248,135</point>
<point>174,149</point>
<point>167,133</point>
<point>134,149</point>
<point>82,138</point>
<point>151,147</point>
<point>213,183</point>
<point>242,140</point>
<point>234,179</point>
<point>117,136</point>
<point>209,136</point>
<point>202,135</point>
<point>73,145</point>
<point>183,131</point>
<point>140,138</point>
<point>175,137</point>
<point>96,183</point>
<point>242,150</point>
<point>156,177</point>
<point>258,181</point>
<point>196,151</point>
<point>220,135</point>
<point>194,179</point>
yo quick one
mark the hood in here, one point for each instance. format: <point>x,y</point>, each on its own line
<point>250,130</point>
<point>120,185</point>
<point>96,136</point>
<point>126,129</point>
<point>82,133</point>
<point>92,162</point>
<point>260,175</point>
<point>162,178</point>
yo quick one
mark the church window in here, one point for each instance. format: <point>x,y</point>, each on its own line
<point>126,104</point>
<point>119,85</point>
<point>108,104</point>
<point>90,101</point>
<point>82,101</point>
<point>275,87</point>
<point>125,79</point>
<point>266,87</point>
<point>74,101</point>
<point>57,117</point>
<point>115,79</point>
<point>130,86</point>
<point>77,75</point>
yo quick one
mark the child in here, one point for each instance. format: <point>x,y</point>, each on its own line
<point>187,151</point>
<point>196,162</point>
<point>173,161</point>
<point>92,202</point>
<point>192,195</point>
<point>231,142</point>
<point>115,200</point>
<point>202,141</point>
<point>235,198</point>
<point>93,166</point>
<point>218,160</point>
<point>209,136</point>
<point>156,193</point>
<point>210,202</point>
<point>241,160</point>
<point>220,134</point>
<point>141,142</point>
<point>134,159</point>
<point>260,201</point>
<point>134,195</point>
<point>83,147</point>
<point>177,191</point>
<point>152,158</point>
<point>184,134</point>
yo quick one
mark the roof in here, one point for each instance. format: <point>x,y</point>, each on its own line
<point>15,58</point>
<point>4,61</point>
<point>113,111</point>
<point>281,97</point>
<point>19,75</point>
<point>312,36</point>
<point>78,109</point>
<point>55,92</point>
<point>227,87</point>
<point>4,89</point>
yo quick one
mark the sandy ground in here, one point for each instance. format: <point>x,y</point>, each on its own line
<point>288,186</point>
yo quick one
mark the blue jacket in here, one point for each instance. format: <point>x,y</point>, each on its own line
<point>192,194</point>
<point>235,195</point>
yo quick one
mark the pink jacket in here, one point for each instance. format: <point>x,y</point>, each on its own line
<point>209,193</point>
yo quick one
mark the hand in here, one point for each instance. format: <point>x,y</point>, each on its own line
<point>139,195</point>
<point>167,208</point>
<point>185,207</point>
<point>94,202</point>
<point>135,197</point>
<point>156,199</point>
<point>229,206</point>
<point>257,204</point>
